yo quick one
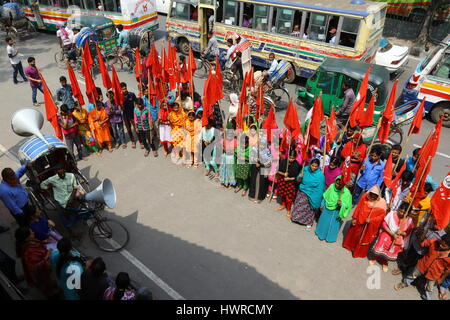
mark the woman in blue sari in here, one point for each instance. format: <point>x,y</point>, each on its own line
<point>310,193</point>
<point>336,205</point>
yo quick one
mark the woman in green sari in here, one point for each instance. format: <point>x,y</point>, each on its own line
<point>242,167</point>
<point>336,205</point>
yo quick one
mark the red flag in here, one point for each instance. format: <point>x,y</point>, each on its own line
<point>151,89</point>
<point>219,73</point>
<point>387,173</point>
<point>291,120</point>
<point>440,204</point>
<point>346,174</point>
<point>360,101</point>
<point>316,119</point>
<point>240,117</point>
<point>388,116</point>
<point>251,78</point>
<point>417,121</point>
<point>105,76</point>
<point>212,93</point>
<point>51,111</point>
<point>332,130</point>
<point>192,66</point>
<point>367,118</point>
<point>270,123</point>
<point>117,89</point>
<point>91,90</point>
<point>397,178</point>
<point>138,67</point>
<point>431,145</point>
<point>75,86</point>
<point>171,71</point>
<point>260,102</point>
<point>419,181</point>
<point>243,94</point>
<point>87,57</point>
<point>164,66</point>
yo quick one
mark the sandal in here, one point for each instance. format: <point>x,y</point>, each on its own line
<point>280,208</point>
<point>236,190</point>
<point>133,145</point>
<point>443,295</point>
<point>396,272</point>
<point>399,286</point>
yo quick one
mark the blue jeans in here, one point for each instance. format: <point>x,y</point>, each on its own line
<point>34,92</point>
<point>119,134</point>
<point>357,194</point>
<point>17,68</point>
<point>426,293</point>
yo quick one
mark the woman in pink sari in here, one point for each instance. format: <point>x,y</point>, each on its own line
<point>394,237</point>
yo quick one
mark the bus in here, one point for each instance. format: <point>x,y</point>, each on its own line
<point>303,32</point>
<point>47,14</point>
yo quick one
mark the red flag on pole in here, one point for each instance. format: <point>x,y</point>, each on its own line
<point>87,57</point>
<point>243,94</point>
<point>360,100</point>
<point>431,145</point>
<point>75,86</point>
<point>105,76</point>
<point>212,93</point>
<point>387,173</point>
<point>332,130</point>
<point>260,102</point>
<point>291,121</point>
<point>219,73</point>
<point>394,183</point>
<point>269,124</point>
<point>388,116</point>
<point>91,90</point>
<point>171,70</point>
<point>367,118</point>
<point>192,66</point>
<point>51,111</point>
<point>417,121</point>
<point>316,119</point>
<point>138,67</point>
<point>440,204</point>
<point>117,89</point>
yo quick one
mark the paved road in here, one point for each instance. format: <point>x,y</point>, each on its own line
<point>201,240</point>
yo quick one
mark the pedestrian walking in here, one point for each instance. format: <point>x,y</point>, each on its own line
<point>34,79</point>
<point>14,59</point>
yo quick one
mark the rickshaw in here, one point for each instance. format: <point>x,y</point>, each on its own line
<point>14,22</point>
<point>47,154</point>
<point>328,80</point>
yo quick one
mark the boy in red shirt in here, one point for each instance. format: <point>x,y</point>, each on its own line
<point>434,266</point>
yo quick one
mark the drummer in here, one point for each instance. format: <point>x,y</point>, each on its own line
<point>65,188</point>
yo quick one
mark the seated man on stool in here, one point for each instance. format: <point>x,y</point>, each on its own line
<point>65,188</point>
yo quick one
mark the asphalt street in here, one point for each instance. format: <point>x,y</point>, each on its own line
<point>192,239</point>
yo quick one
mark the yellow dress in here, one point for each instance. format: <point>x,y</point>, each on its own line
<point>177,120</point>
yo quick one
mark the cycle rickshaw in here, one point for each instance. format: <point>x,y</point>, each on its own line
<point>47,154</point>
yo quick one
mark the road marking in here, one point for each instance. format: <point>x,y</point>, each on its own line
<point>132,259</point>
<point>439,153</point>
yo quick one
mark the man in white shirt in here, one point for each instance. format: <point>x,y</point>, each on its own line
<point>65,36</point>
<point>14,59</point>
<point>333,36</point>
<point>273,64</point>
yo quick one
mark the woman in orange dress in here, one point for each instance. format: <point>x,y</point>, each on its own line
<point>366,222</point>
<point>190,140</point>
<point>177,119</point>
<point>99,124</point>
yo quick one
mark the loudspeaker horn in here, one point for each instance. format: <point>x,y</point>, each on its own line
<point>27,122</point>
<point>104,193</point>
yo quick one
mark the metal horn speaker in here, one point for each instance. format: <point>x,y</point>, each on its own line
<point>27,122</point>
<point>104,193</point>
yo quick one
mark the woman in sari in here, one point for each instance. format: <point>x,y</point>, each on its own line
<point>82,117</point>
<point>164,127</point>
<point>99,124</point>
<point>354,153</point>
<point>189,144</point>
<point>260,159</point>
<point>35,262</point>
<point>273,177</point>
<point>309,196</point>
<point>331,172</point>
<point>366,222</point>
<point>242,167</point>
<point>336,206</point>
<point>226,173</point>
<point>288,171</point>
<point>177,117</point>
<point>197,137</point>
<point>396,229</point>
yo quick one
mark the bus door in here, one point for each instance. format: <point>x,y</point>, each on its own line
<point>205,11</point>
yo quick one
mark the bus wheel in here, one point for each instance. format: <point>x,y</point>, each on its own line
<point>183,46</point>
<point>290,77</point>
<point>441,109</point>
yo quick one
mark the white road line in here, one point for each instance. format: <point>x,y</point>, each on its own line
<point>439,153</point>
<point>132,259</point>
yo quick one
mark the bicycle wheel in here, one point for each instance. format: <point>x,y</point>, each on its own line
<point>202,70</point>
<point>60,60</point>
<point>108,234</point>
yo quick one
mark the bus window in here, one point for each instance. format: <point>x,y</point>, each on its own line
<point>349,32</point>
<point>90,4</point>
<point>261,17</point>
<point>194,12</point>
<point>297,25</point>
<point>247,19</point>
<point>230,12</point>
<point>332,29</point>
<point>180,11</point>
<point>45,2</point>
<point>283,24</point>
<point>219,11</point>
<point>78,3</point>
<point>110,5</point>
<point>317,27</point>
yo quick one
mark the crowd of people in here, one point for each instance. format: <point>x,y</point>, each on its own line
<point>251,157</point>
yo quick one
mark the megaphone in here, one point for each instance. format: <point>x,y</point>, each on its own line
<point>27,122</point>
<point>104,193</point>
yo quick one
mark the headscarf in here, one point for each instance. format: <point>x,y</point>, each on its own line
<point>90,107</point>
<point>380,202</point>
<point>198,110</point>
<point>331,175</point>
<point>313,185</point>
<point>234,106</point>
<point>333,195</point>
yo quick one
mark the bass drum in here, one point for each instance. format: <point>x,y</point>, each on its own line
<point>141,38</point>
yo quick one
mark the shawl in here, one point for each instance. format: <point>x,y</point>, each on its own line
<point>333,195</point>
<point>395,223</point>
<point>331,175</point>
<point>313,185</point>
<point>265,156</point>
<point>176,118</point>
